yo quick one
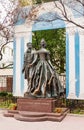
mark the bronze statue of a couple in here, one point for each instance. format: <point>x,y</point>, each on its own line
<point>40,74</point>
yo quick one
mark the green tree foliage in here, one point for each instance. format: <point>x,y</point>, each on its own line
<point>25,2</point>
<point>41,1</point>
<point>55,40</point>
<point>29,2</point>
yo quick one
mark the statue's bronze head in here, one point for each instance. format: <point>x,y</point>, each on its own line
<point>29,45</point>
<point>43,43</point>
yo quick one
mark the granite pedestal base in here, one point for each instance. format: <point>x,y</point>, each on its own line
<point>36,104</point>
<point>37,109</point>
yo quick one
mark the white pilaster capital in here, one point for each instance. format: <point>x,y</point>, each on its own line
<point>81,31</point>
<point>71,31</point>
<point>22,31</point>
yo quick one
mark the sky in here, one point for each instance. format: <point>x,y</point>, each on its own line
<point>2,13</point>
<point>5,6</point>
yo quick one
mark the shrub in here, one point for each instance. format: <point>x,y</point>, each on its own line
<point>12,106</point>
<point>3,94</point>
<point>58,110</point>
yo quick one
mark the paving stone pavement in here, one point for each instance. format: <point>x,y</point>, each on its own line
<point>70,122</point>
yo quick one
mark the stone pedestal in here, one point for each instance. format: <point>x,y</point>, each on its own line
<point>36,104</point>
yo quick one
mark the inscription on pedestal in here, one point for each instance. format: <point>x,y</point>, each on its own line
<point>36,105</point>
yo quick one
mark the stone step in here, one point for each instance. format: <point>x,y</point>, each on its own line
<point>57,119</point>
<point>31,114</point>
<point>29,119</point>
<point>36,116</point>
<point>10,113</point>
<point>35,119</point>
<point>13,111</point>
<point>7,114</point>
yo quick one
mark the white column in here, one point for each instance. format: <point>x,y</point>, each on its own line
<point>23,35</point>
<point>17,91</point>
<point>71,33</point>
<point>81,33</point>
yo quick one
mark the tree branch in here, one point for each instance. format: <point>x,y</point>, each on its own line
<point>6,66</point>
